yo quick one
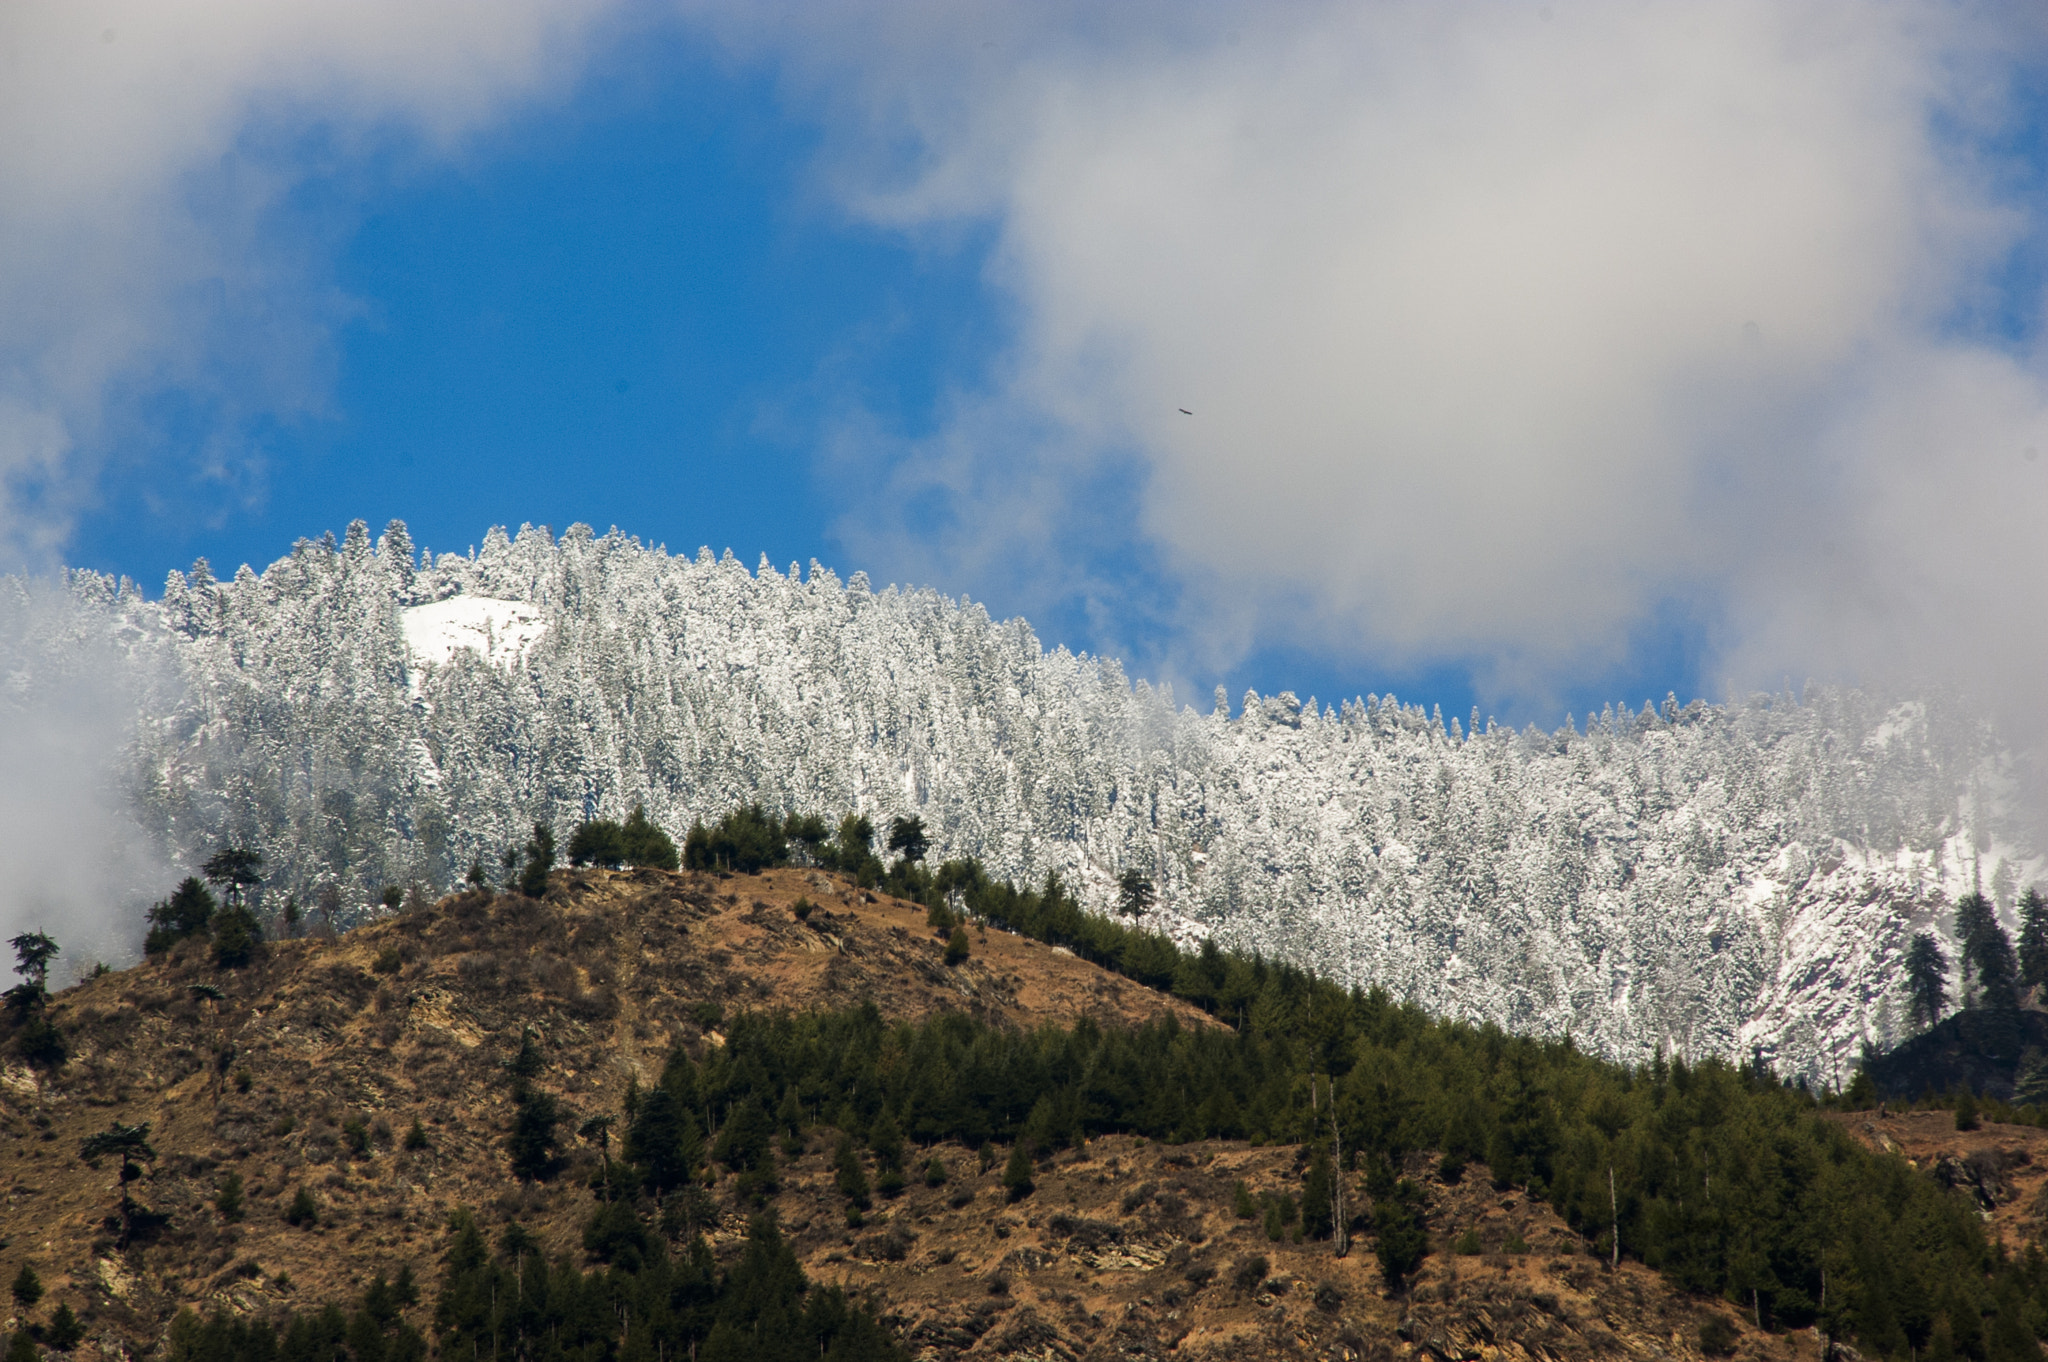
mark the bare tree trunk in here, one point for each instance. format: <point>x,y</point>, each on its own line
<point>1614,1206</point>
<point>1343,1234</point>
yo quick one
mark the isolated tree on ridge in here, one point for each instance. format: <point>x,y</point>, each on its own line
<point>540,859</point>
<point>1926,980</point>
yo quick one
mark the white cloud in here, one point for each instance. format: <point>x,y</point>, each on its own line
<point>145,147</point>
<point>1500,326</point>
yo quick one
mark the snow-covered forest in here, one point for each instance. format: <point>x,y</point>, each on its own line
<point>1705,879</point>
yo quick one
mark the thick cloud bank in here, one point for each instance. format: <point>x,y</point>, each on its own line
<point>1502,327</point>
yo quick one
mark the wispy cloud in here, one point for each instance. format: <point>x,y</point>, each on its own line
<point>148,248</point>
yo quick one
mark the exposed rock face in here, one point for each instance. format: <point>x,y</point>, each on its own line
<point>1708,880</point>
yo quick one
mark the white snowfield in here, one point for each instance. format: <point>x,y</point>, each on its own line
<point>498,632</point>
<point>1708,880</point>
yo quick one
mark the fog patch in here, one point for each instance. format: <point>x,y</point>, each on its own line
<point>74,860</point>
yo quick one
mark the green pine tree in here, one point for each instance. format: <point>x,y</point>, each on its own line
<point>1318,1195</point>
<point>2033,946</point>
<point>663,1141</point>
<point>1402,1239</point>
<point>66,1329</point>
<point>1926,979</point>
<point>237,937</point>
<point>852,1177</point>
<point>540,859</point>
<point>188,912</point>
<point>28,1288</point>
<point>1017,1172</point>
<point>644,844</point>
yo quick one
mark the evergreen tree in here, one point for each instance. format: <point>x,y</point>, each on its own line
<point>235,869</point>
<point>527,1062</point>
<point>237,937</point>
<point>907,838</point>
<point>1134,893</point>
<point>598,842</point>
<point>302,1210</point>
<point>747,840</point>
<point>1926,979</point>
<point>809,834</point>
<point>228,1199</point>
<point>66,1330</point>
<point>33,952</point>
<point>1318,1196</point>
<point>1974,918</point>
<point>532,1143</point>
<point>188,912</point>
<point>848,1171</point>
<point>1017,1180</point>
<point>129,1145</point>
<point>644,844</point>
<point>1997,968</point>
<point>856,840</point>
<point>2033,949</point>
<point>540,859</point>
<point>1403,1241</point>
<point>28,1288</point>
<point>37,1040</point>
<point>663,1141</point>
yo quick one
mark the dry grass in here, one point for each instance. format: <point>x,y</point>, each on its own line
<point>1127,1247</point>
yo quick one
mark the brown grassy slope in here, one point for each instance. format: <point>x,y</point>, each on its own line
<point>1128,1248</point>
<point>2004,1168</point>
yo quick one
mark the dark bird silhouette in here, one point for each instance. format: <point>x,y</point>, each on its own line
<point>1185,412</point>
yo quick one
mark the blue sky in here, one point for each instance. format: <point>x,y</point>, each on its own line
<point>1481,412</point>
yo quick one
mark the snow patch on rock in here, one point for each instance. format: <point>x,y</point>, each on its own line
<point>499,632</point>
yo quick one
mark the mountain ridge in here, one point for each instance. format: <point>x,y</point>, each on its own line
<point>334,1045</point>
<point>1731,880</point>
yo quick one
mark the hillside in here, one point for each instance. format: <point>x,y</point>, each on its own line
<point>1978,1048</point>
<point>1697,879</point>
<point>1127,1247</point>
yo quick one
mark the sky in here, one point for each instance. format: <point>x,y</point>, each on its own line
<point>1516,356</point>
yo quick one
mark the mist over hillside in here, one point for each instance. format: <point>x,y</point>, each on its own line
<point>1701,879</point>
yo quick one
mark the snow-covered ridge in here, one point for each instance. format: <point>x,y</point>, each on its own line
<point>1705,879</point>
